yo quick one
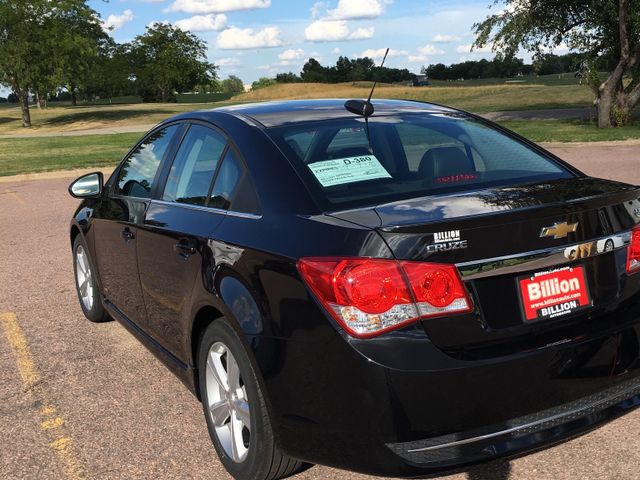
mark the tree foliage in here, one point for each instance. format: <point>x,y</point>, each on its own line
<point>167,59</point>
<point>606,32</point>
<point>263,82</point>
<point>232,84</point>
<point>347,70</point>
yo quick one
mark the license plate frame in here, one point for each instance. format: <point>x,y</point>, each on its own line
<point>561,291</point>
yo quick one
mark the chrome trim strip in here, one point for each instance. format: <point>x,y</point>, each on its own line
<point>220,211</point>
<point>539,259</point>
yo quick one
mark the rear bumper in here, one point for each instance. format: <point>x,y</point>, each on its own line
<point>398,406</point>
<point>521,434</point>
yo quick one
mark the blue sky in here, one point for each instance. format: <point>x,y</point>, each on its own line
<point>255,38</point>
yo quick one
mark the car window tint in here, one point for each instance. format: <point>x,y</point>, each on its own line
<point>136,175</point>
<point>233,189</point>
<point>194,166</point>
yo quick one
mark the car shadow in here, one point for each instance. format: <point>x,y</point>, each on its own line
<point>496,470</point>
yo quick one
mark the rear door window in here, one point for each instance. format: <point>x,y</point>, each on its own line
<point>233,189</point>
<point>195,164</point>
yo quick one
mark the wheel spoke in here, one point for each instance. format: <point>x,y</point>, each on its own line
<point>217,370</point>
<point>236,437</point>
<point>82,261</point>
<point>220,412</point>
<point>233,372</point>
<point>241,408</point>
<point>83,286</point>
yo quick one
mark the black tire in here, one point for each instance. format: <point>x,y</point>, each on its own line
<point>96,312</point>
<point>264,460</point>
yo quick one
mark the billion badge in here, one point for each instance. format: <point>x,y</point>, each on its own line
<point>447,241</point>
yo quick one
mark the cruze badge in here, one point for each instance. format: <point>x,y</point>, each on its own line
<point>447,241</point>
<point>559,230</point>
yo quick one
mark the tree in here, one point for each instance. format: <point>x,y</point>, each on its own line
<point>167,59</point>
<point>605,32</point>
<point>263,82</point>
<point>312,71</point>
<point>36,39</point>
<point>289,77</point>
<point>232,85</point>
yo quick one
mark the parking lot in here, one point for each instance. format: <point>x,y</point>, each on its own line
<point>82,400</point>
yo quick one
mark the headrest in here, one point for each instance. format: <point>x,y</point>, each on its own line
<point>444,162</point>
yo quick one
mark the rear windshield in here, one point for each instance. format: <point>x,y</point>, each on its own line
<point>407,156</point>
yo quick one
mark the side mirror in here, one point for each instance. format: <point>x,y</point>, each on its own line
<point>87,186</point>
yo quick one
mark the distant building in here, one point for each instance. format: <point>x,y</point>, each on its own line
<point>421,81</point>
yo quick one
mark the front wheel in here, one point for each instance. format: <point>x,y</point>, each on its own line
<point>86,286</point>
<point>235,409</point>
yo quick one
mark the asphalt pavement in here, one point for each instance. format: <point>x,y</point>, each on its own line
<point>83,400</point>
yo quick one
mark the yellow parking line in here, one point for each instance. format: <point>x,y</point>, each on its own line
<point>51,423</point>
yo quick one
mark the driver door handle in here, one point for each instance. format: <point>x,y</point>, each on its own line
<point>185,248</point>
<point>128,235</point>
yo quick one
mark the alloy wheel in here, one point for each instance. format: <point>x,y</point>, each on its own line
<point>228,405</point>
<point>84,278</point>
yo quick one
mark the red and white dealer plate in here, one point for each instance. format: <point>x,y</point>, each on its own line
<point>554,293</point>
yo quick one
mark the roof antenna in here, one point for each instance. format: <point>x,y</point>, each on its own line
<point>365,107</point>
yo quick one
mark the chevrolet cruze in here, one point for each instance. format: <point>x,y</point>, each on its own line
<point>381,288</point>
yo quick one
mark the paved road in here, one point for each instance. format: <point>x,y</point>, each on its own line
<point>82,400</point>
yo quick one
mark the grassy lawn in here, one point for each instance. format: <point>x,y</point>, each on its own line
<point>43,154</point>
<point>64,118</point>
<point>482,98</point>
<point>27,155</point>
<point>570,131</point>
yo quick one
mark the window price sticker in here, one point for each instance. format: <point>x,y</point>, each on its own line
<point>348,170</point>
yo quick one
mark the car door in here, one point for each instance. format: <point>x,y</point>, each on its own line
<point>175,231</point>
<point>118,217</point>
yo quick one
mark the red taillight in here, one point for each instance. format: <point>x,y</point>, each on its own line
<point>371,296</point>
<point>633,257</point>
<point>438,289</point>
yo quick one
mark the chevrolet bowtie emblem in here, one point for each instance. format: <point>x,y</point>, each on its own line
<point>559,230</point>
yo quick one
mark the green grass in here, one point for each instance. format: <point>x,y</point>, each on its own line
<point>43,154</point>
<point>570,131</point>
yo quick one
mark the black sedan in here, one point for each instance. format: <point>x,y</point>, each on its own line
<point>398,288</point>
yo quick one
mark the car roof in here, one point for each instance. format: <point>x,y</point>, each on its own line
<point>278,113</point>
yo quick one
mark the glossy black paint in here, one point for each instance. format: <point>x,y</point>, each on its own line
<point>167,270</point>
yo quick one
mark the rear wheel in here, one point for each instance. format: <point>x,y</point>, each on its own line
<point>86,286</point>
<point>235,409</point>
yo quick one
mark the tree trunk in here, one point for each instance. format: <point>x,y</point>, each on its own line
<point>74,98</point>
<point>38,102</point>
<point>24,106</point>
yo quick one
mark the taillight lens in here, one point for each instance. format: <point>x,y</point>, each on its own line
<point>437,289</point>
<point>372,296</point>
<point>633,257</point>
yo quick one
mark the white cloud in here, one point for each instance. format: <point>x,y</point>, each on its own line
<point>439,38</point>
<point>203,23</point>
<point>115,22</point>
<point>243,38</point>
<point>216,6</point>
<point>430,50</point>
<point>227,62</point>
<point>379,54</point>
<point>417,58</point>
<point>336,50</point>
<point>316,9</point>
<point>468,49</point>
<point>291,54</point>
<point>356,9</point>
<point>335,30</point>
